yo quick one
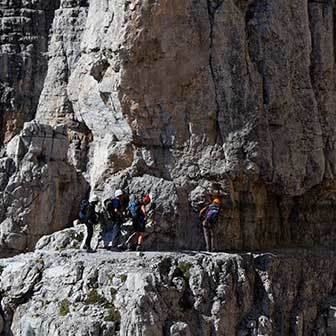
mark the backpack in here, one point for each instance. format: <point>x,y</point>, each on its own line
<point>115,204</point>
<point>212,213</point>
<point>134,209</point>
<point>83,210</point>
<point>111,206</point>
<point>87,212</point>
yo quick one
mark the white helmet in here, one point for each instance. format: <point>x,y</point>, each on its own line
<point>94,198</point>
<point>118,193</point>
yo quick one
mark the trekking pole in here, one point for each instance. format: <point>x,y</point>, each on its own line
<point>98,241</point>
<point>130,238</point>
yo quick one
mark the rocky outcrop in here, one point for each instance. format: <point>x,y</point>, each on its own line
<point>55,106</point>
<point>183,100</point>
<point>64,53</point>
<point>71,292</point>
<point>24,31</point>
<point>187,100</point>
<point>40,191</point>
<point>70,238</point>
<point>216,97</point>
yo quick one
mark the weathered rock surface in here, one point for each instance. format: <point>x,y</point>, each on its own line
<point>24,31</point>
<point>181,99</point>
<point>187,99</point>
<point>73,293</point>
<point>212,97</point>
<point>64,52</point>
<point>55,106</point>
<point>70,238</point>
<point>40,191</point>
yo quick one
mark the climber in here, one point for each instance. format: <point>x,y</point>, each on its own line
<point>107,223</point>
<point>89,217</point>
<point>209,216</point>
<point>138,213</point>
<point>117,215</point>
<point>114,214</point>
<point>124,200</point>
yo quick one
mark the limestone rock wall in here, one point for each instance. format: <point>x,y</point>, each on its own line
<point>24,31</point>
<point>214,97</point>
<point>182,99</point>
<point>64,52</point>
<point>188,99</point>
<point>40,190</point>
<point>167,294</point>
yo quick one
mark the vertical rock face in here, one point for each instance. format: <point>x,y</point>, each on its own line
<point>188,99</point>
<point>64,52</point>
<point>185,100</point>
<point>40,191</point>
<point>24,30</point>
<point>322,72</point>
<point>213,97</point>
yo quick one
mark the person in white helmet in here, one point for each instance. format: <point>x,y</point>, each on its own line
<point>118,193</point>
<point>89,217</point>
<point>115,213</point>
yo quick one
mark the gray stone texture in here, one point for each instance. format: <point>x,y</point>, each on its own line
<point>40,191</point>
<point>184,100</point>
<point>64,52</point>
<point>24,32</point>
<point>214,97</point>
<point>107,293</point>
<point>189,99</point>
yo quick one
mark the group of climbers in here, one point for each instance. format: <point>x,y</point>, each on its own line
<point>114,213</point>
<point>117,209</point>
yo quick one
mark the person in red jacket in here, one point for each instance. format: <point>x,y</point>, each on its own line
<point>138,214</point>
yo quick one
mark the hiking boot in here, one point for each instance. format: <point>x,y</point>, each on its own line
<point>122,247</point>
<point>138,248</point>
<point>130,248</point>
<point>114,249</point>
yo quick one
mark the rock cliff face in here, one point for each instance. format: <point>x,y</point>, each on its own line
<point>64,52</point>
<point>182,99</point>
<point>24,32</point>
<point>187,99</point>
<point>167,294</point>
<point>39,188</point>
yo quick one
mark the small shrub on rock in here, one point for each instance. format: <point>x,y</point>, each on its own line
<point>64,307</point>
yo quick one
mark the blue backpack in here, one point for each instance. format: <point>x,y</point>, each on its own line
<point>212,213</point>
<point>134,209</point>
<point>115,203</point>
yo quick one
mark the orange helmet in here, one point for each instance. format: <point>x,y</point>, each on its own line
<point>217,201</point>
<point>146,199</point>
